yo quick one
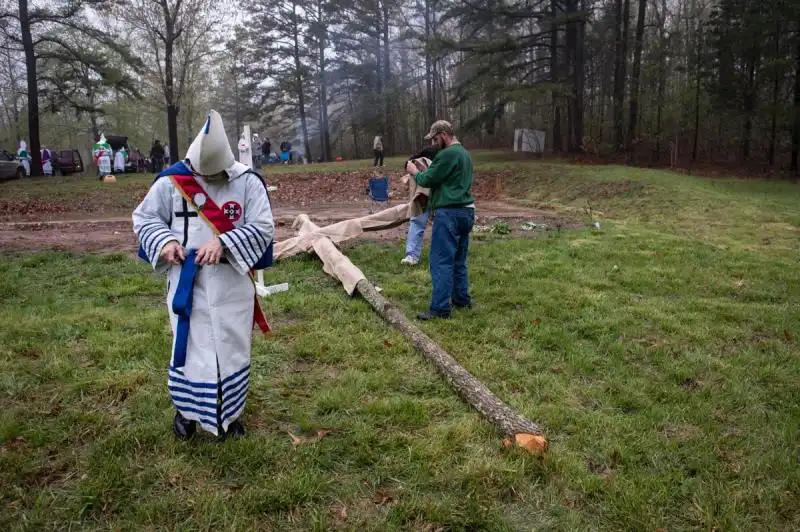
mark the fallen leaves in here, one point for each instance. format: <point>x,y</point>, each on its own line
<point>15,443</point>
<point>339,512</point>
<point>382,498</point>
<point>303,440</point>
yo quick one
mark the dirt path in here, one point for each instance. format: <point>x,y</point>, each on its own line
<point>114,233</point>
<point>87,217</point>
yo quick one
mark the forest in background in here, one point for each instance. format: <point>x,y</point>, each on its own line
<point>651,82</point>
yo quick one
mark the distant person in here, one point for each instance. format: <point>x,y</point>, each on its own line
<point>417,224</point>
<point>450,179</point>
<point>104,162</point>
<point>257,147</point>
<point>119,161</point>
<point>157,157</point>
<point>47,165</point>
<point>25,157</point>
<point>377,149</point>
<point>266,150</point>
<point>286,152</point>
<point>166,155</point>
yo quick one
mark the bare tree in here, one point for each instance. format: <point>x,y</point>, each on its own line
<point>173,39</point>
<point>38,33</point>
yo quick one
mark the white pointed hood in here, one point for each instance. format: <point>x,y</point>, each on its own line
<point>210,152</point>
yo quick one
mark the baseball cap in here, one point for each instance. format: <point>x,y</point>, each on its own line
<point>440,126</point>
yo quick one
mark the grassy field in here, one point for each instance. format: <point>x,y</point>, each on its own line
<point>659,352</point>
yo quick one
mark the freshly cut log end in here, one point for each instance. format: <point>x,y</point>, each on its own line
<point>534,443</point>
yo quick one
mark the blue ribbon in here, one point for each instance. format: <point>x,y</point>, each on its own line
<point>182,306</point>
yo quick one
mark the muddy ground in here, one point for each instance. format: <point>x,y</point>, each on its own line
<point>62,222</point>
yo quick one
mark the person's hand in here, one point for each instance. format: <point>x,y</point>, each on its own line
<point>210,252</point>
<point>173,253</point>
<point>411,168</point>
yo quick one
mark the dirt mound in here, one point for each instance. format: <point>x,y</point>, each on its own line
<point>320,188</point>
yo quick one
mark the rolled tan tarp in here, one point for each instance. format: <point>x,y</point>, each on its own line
<point>349,229</point>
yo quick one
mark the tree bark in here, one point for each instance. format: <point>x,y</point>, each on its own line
<point>430,87</point>
<point>298,69</point>
<point>621,34</point>
<point>473,391</point>
<point>169,82</point>
<point>389,128</point>
<point>696,139</point>
<point>353,125</point>
<point>571,45</point>
<point>662,74</point>
<point>578,80</point>
<point>775,95</point>
<point>637,67</point>
<point>325,135</point>
<point>526,433</point>
<point>750,101</point>
<point>34,146</point>
<point>796,125</point>
<point>558,138</point>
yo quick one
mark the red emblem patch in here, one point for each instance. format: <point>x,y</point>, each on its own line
<point>232,210</point>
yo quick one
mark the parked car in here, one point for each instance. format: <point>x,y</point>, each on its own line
<point>68,162</point>
<point>10,167</point>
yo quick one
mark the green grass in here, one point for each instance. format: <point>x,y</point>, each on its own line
<point>660,354</point>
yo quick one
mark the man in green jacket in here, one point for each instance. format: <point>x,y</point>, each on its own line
<point>450,179</point>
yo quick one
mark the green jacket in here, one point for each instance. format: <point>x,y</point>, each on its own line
<point>449,177</point>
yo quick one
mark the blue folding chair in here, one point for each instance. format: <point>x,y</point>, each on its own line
<point>378,191</point>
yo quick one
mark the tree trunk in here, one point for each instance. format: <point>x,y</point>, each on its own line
<point>796,125</point>
<point>34,146</point>
<point>637,67</point>
<point>430,87</point>
<point>237,106</point>
<point>558,138</point>
<point>662,74</point>
<point>473,391</point>
<point>353,121</point>
<point>301,97</point>
<point>750,102</point>
<point>621,64</point>
<point>696,139</point>
<point>169,85</point>
<point>578,81</point>
<point>526,434</point>
<point>775,95</point>
<point>325,134</point>
<point>570,45</point>
<point>389,128</point>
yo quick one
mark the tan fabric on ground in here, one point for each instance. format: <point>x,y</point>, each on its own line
<point>340,231</point>
<point>335,263</point>
<point>349,229</point>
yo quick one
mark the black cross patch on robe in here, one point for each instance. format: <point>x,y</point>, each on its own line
<point>186,214</point>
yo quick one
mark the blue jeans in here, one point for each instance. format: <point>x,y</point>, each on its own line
<point>416,228</point>
<point>448,258</point>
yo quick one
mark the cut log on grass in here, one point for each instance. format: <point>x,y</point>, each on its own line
<point>524,432</point>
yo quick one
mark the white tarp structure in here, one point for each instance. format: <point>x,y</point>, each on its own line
<point>529,140</point>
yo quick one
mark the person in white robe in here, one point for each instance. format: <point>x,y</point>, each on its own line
<point>209,370</point>
<point>119,161</point>
<point>104,162</point>
<point>25,157</point>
